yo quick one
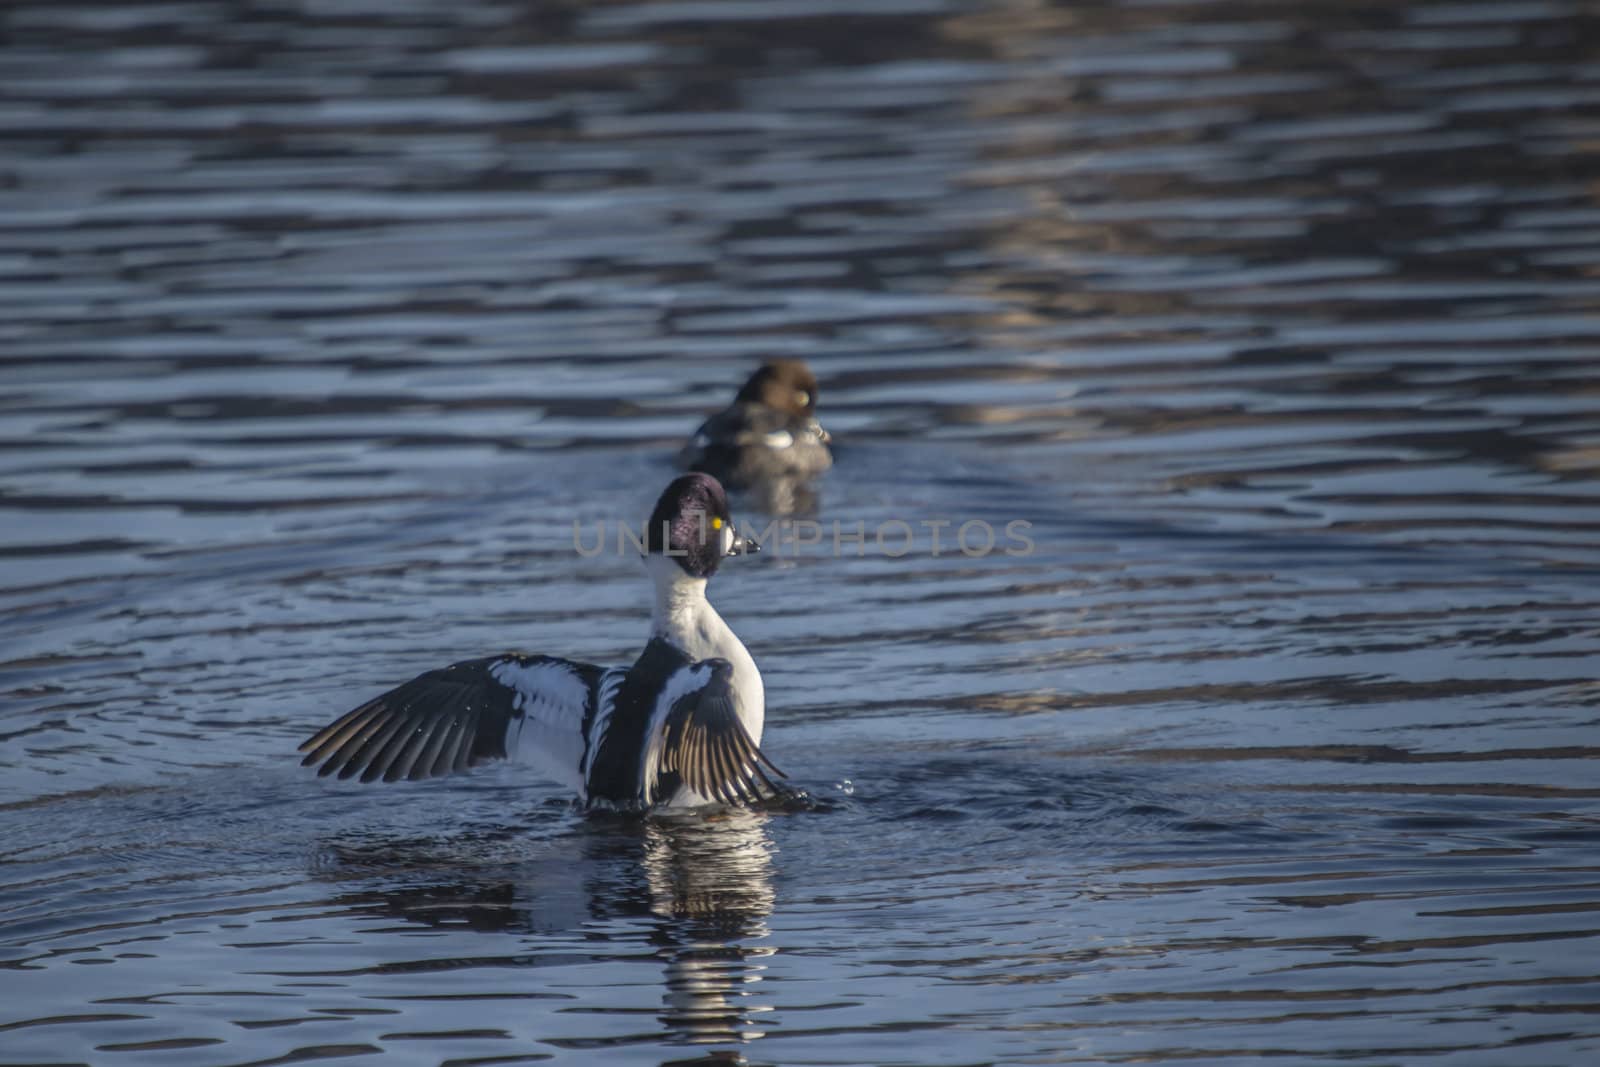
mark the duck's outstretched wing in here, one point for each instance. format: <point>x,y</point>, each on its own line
<point>697,740</point>
<point>534,707</point>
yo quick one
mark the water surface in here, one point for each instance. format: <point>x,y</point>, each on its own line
<point>324,322</point>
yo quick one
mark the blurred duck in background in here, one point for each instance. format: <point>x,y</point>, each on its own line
<point>768,441</point>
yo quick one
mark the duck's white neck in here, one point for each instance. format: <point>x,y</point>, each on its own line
<point>684,616</point>
<point>681,606</point>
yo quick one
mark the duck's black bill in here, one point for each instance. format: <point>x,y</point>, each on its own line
<point>744,546</point>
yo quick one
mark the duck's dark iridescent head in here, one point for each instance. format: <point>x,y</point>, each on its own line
<point>785,384</point>
<point>691,524</point>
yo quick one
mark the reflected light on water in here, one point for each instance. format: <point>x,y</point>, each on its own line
<point>324,323</point>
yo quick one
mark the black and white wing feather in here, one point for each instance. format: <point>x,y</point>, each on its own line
<point>697,742</point>
<point>444,721</point>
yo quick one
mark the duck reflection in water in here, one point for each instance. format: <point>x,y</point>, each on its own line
<point>711,888</point>
<point>702,883</point>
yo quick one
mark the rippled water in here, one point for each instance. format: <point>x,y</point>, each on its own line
<point>324,321</point>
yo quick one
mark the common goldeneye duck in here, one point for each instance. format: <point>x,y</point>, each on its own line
<point>769,432</point>
<point>680,727</point>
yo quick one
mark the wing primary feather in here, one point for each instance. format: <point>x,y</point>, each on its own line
<point>722,766</point>
<point>443,761</point>
<point>383,755</point>
<point>418,721</point>
<point>696,772</point>
<point>333,736</point>
<point>747,777</point>
<point>469,738</point>
<point>322,735</point>
<point>411,749</point>
<point>337,729</point>
<point>693,760</point>
<point>741,783</point>
<point>358,746</point>
<point>755,769</point>
<point>733,761</point>
<point>359,736</point>
<point>393,722</point>
<point>450,755</point>
<point>702,774</point>
<point>456,712</point>
<point>423,767</point>
<point>710,770</point>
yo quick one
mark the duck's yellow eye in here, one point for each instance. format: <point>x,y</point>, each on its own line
<point>716,522</point>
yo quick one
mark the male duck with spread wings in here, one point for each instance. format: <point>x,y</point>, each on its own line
<point>679,728</point>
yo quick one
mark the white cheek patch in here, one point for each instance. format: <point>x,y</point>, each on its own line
<point>727,539</point>
<point>779,439</point>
